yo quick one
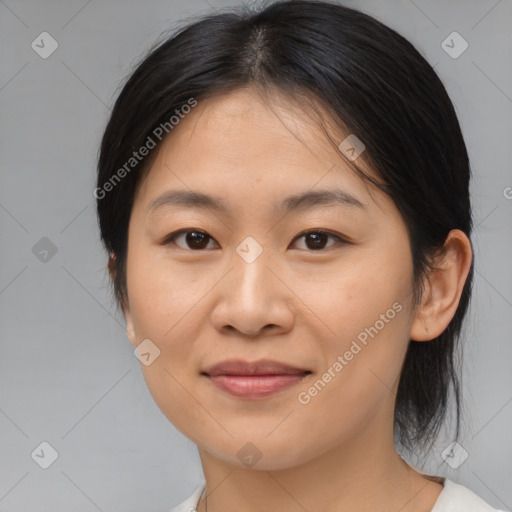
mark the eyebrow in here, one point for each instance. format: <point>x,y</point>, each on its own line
<point>297,202</point>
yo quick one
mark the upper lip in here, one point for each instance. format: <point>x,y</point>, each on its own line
<point>261,367</point>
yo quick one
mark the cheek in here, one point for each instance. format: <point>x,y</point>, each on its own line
<point>366,310</point>
<point>165,307</point>
<point>162,300</point>
<point>174,394</point>
<point>360,302</point>
<point>357,389</point>
<point>363,357</point>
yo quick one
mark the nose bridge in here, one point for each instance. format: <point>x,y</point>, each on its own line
<point>251,273</point>
<point>250,296</point>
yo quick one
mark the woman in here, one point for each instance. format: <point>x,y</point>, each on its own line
<point>284,197</point>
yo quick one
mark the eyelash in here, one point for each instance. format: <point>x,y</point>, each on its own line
<point>170,239</point>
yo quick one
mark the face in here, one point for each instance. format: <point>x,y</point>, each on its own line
<point>322,285</point>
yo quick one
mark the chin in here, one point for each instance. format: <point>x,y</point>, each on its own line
<point>257,453</point>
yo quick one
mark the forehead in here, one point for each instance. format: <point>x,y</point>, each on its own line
<point>238,146</point>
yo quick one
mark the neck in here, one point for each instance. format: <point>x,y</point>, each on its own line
<point>365,474</point>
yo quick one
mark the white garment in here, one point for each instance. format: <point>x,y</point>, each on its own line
<point>453,498</point>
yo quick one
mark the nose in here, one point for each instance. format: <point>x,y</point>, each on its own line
<point>253,298</point>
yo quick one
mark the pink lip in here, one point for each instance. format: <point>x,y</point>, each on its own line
<point>258,379</point>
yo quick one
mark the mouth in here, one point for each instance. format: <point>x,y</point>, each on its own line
<point>253,380</point>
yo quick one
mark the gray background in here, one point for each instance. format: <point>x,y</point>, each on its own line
<point>68,375</point>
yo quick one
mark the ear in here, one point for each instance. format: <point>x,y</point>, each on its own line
<point>444,287</point>
<point>130,332</point>
<point>112,265</point>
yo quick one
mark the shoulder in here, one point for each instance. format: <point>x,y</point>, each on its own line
<point>189,505</point>
<point>457,498</point>
<point>453,498</point>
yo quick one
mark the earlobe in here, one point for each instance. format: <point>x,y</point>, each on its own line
<point>130,332</point>
<point>444,288</point>
<point>130,329</point>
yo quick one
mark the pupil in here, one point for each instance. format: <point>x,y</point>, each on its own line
<point>196,240</point>
<point>318,238</point>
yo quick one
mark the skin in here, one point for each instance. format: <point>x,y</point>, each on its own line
<point>293,304</point>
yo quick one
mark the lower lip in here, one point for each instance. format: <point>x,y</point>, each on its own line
<point>255,386</point>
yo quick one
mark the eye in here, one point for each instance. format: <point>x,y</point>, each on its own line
<point>198,240</point>
<point>316,239</point>
<point>193,238</point>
